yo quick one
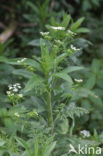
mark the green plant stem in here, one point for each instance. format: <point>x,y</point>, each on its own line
<point>72,127</point>
<point>49,106</point>
<point>50,113</point>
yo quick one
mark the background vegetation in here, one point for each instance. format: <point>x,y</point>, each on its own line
<point>51,72</point>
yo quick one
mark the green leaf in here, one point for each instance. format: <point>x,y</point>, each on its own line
<point>27,61</point>
<point>64,76</point>
<point>3,59</point>
<point>23,72</point>
<point>81,93</point>
<point>82,30</point>
<point>60,58</point>
<point>36,147</point>
<point>75,25</point>
<point>49,149</point>
<point>95,65</point>
<point>35,43</point>
<point>24,144</point>
<point>72,69</point>
<point>74,110</point>
<point>91,82</point>
<point>33,82</point>
<point>66,20</point>
<point>2,142</point>
<point>64,126</point>
<point>33,6</point>
<point>97,101</point>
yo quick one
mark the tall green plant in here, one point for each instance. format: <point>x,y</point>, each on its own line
<point>51,85</point>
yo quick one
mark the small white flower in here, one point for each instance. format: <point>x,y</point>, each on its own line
<point>16,114</point>
<point>20,95</point>
<point>74,48</point>
<point>44,33</point>
<point>22,60</point>
<point>8,92</point>
<point>57,28</point>
<point>12,94</point>
<point>19,87</point>
<point>17,84</point>
<point>15,90</point>
<point>19,61</point>
<point>78,80</point>
<point>58,41</point>
<point>10,88</point>
<point>14,85</point>
<point>71,32</point>
<point>85,133</point>
<point>10,85</point>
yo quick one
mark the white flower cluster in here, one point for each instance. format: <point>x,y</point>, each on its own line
<point>59,42</point>
<point>57,28</point>
<point>22,60</point>
<point>74,48</point>
<point>85,133</point>
<point>44,33</point>
<point>9,93</point>
<point>20,95</point>
<point>15,87</point>
<point>78,80</point>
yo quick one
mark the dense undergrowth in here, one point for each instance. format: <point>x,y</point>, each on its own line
<point>51,72</point>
